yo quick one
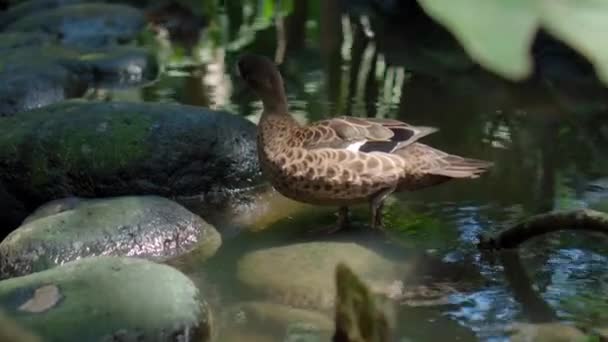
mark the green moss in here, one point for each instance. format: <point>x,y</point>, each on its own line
<point>74,139</point>
<point>114,144</point>
<point>418,230</point>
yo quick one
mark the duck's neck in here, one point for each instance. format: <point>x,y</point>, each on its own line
<point>275,109</point>
<point>276,103</point>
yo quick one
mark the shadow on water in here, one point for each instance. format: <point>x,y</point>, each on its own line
<point>548,137</point>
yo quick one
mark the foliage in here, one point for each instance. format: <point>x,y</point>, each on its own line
<point>498,33</point>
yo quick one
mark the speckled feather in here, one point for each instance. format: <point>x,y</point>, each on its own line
<point>313,163</point>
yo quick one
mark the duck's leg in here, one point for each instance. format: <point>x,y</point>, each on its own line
<point>343,220</point>
<point>376,204</point>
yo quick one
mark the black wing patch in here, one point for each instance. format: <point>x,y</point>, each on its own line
<point>399,135</point>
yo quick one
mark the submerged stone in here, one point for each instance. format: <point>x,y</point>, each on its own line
<point>62,231</point>
<point>302,275</point>
<point>278,316</point>
<point>108,299</point>
<point>90,25</point>
<point>99,149</point>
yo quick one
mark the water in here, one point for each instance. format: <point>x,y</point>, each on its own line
<point>548,137</point>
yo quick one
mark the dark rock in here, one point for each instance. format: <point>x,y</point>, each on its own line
<point>98,149</point>
<point>66,230</point>
<point>30,7</point>
<point>121,67</point>
<point>26,88</point>
<point>108,299</point>
<point>36,76</point>
<point>13,40</point>
<point>111,67</point>
<point>89,25</point>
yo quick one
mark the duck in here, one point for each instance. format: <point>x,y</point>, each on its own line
<point>343,161</point>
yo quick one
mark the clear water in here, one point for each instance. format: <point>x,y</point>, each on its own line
<point>547,136</point>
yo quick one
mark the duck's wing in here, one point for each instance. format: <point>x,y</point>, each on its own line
<point>422,159</point>
<point>362,134</point>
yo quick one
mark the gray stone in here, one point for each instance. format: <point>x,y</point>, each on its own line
<point>62,231</point>
<point>100,149</point>
<point>89,25</point>
<point>108,299</point>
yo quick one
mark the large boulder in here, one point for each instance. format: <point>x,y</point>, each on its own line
<point>66,230</point>
<point>108,299</point>
<point>100,149</point>
<point>88,24</point>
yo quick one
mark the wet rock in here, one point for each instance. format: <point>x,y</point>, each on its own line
<point>133,300</point>
<point>109,67</point>
<point>302,275</point>
<point>120,67</point>
<point>37,76</point>
<point>99,149</point>
<point>14,40</point>
<point>25,8</point>
<point>27,88</point>
<point>89,25</point>
<point>149,227</point>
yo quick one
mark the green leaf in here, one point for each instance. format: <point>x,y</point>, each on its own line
<point>496,33</point>
<point>582,24</point>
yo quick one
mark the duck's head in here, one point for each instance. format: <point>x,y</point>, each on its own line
<point>262,76</point>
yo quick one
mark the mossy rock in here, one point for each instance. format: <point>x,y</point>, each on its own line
<point>90,25</point>
<point>302,275</point>
<point>148,227</point>
<point>100,149</point>
<point>108,299</point>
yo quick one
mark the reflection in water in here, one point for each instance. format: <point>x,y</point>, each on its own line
<point>548,137</point>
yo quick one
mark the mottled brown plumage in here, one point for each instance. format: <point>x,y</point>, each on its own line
<point>345,160</point>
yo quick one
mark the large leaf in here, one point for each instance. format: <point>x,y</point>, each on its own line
<point>496,33</point>
<point>582,24</point>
